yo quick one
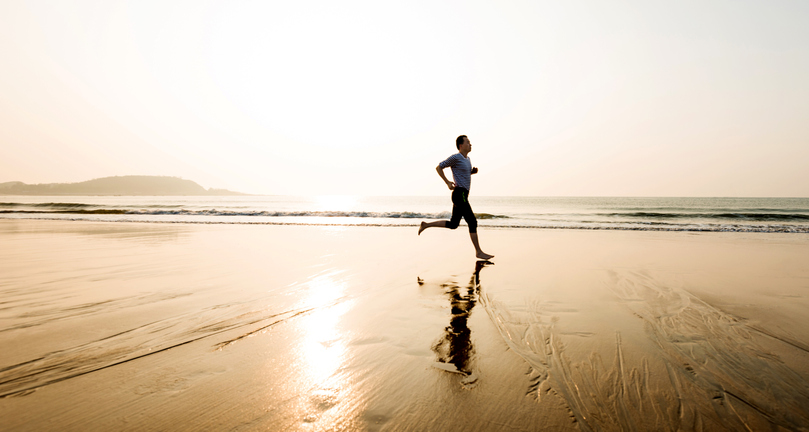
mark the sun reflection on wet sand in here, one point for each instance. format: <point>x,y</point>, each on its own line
<point>323,352</point>
<point>323,347</point>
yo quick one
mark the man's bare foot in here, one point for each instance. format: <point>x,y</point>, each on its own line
<point>484,256</point>
<point>422,227</point>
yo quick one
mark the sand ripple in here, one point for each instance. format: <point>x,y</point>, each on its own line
<point>715,373</point>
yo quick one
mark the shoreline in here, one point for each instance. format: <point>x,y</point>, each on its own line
<point>415,224</point>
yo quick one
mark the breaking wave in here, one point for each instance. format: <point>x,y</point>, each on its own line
<point>57,208</point>
<point>761,215</point>
<point>750,216</point>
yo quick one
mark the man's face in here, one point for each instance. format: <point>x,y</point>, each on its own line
<point>466,146</point>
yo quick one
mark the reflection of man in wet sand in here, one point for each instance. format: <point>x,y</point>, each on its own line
<point>462,171</point>
<point>455,346</point>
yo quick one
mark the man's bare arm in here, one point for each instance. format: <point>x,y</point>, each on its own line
<point>474,170</point>
<point>440,171</point>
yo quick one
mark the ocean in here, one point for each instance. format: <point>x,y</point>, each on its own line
<point>768,215</point>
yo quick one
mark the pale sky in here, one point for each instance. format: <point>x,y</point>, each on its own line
<point>559,98</point>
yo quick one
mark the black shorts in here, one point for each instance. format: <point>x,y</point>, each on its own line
<point>462,209</point>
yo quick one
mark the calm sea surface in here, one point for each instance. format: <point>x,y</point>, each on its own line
<point>784,215</point>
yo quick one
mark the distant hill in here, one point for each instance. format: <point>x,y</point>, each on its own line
<point>123,185</point>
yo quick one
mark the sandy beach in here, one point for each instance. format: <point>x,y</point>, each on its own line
<point>146,326</point>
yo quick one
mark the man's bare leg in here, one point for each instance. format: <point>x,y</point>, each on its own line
<point>425,225</point>
<point>480,253</point>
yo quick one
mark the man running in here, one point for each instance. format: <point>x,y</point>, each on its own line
<point>462,171</point>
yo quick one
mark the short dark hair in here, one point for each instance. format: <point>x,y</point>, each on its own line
<point>459,141</point>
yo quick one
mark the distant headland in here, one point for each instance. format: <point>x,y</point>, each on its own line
<point>118,185</point>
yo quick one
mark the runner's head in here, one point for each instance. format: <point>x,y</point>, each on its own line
<point>459,141</point>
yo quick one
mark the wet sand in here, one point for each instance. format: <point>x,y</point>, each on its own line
<point>129,326</point>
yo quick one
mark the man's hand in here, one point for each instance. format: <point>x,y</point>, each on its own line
<point>474,170</point>
<point>440,172</point>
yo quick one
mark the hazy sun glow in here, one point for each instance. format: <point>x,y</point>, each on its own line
<point>336,203</point>
<point>366,97</point>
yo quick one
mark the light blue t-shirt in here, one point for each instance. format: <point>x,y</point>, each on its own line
<point>461,170</point>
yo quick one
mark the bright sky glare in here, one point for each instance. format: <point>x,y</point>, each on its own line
<point>587,98</point>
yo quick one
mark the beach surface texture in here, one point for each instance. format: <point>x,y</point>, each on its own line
<point>179,326</point>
